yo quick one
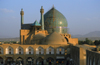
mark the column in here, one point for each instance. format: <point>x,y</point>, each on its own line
<point>14,61</point>
<point>3,61</point>
<point>24,62</point>
<point>34,61</point>
<point>44,62</point>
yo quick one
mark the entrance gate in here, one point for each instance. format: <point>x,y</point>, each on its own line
<point>50,61</point>
<point>9,60</point>
<point>39,61</point>
<point>29,61</point>
<point>19,61</point>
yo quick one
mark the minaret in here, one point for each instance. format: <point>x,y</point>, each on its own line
<point>42,17</point>
<point>22,18</point>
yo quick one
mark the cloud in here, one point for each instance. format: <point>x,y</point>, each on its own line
<point>6,10</point>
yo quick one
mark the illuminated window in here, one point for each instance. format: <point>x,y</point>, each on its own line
<point>19,49</point>
<point>49,49</point>
<point>60,49</point>
<point>39,49</point>
<point>29,49</point>
<point>9,49</point>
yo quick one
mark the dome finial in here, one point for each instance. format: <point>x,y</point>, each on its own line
<point>21,9</point>
<point>53,6</point>
<point>41,7</point>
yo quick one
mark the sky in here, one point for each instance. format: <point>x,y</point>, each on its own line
<point>83,16</point>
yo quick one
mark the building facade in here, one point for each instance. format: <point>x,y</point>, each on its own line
<point>32,54</point>
<point>44,43</point>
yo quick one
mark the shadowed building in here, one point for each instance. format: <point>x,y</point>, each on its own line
<point>41,43</point>
<point>93,56</point>
<point>79,53</point>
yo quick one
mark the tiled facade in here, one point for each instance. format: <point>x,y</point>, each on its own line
<point>16,51</point>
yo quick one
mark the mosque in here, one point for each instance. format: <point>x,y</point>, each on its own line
<point>41,43</point>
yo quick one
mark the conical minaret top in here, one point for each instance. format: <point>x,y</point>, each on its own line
<point>22,12</point>
<point>42,17</point>
<point>41,10</point>
<point>53,6</point>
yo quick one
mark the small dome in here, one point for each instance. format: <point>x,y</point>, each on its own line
<point>38,37</point>
<point>54,38</point>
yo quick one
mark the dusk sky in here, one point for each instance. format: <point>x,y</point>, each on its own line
<point>83,16</point>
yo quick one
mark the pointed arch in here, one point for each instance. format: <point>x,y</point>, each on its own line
<point>50,61</point>
<point>60,50</point>
<point>39,61</point>
<point>39,50</point>
<point>20,61</point>
<point>19,50</point>
<point>1,50</point>
<point>66,39</point>
<point>50,50</point>
<point>9,60</point>
<point>30,61</point>
<point>29,50</point>
<point>9,50</point>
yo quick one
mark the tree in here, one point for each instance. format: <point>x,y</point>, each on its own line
<point>97,42</point>
<point>80,42</point>
<point>89,42</point>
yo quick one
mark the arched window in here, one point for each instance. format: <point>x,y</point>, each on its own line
<point>60,50</point>
<point>39,50</point>
<point>19,50</point>
<point>30,61</point>
<point>9,50</point>
<point>39,61</point>
<point>50,50</point>
<point>1,50</point>
<point>50,61</point>
<point>29,50</point>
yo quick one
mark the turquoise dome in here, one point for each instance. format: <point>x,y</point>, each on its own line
<point>54,21</point>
